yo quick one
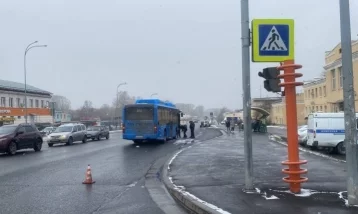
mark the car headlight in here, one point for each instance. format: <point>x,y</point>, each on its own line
<point>63,136</point>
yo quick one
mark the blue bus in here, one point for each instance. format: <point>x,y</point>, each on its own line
<point>150,119</point>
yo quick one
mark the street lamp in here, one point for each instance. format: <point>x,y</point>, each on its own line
<point>120,84</point>
<point>153,94</point>
<point>29,47</point>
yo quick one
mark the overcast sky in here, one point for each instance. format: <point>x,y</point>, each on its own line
<point>184,50</point>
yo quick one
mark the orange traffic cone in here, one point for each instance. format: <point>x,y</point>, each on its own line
<point>88,178</point>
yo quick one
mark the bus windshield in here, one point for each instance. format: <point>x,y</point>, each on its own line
<point>139,113</point>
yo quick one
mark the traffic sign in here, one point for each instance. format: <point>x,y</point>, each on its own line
<point>272,40</point>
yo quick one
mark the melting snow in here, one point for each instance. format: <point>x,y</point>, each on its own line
<point>132,184</point>
<point>137,146</point>
<point>171,160</point>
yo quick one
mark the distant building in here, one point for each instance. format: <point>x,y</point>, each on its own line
<point>278,111</point>
<point>12,103</point>
<point>61,117</point>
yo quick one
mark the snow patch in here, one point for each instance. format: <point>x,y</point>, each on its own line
<point>132,184</point>
<point>276,139</point>
<point>278,127</point>
<point>137,146</point>
<point>263,194</point>
<point>171,160</point>
<point>181,189</point>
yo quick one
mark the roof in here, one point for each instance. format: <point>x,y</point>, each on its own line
<point>156,102</point>
<point>329,52</point>
<point>267,99</point>
<point>15,86</point>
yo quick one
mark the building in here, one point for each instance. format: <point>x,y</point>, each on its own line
<point>265,103</point>
<point>334,77</point>
<point>315,96</point>
<point>278,111</point>
<point>12,103</point>
<point>61,117</point>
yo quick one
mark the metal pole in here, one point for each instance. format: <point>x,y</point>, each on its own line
<point>29,47</point>
<point>245,40</point>
<point>123,83</point>
<point>349,105</point>
<point>25,86</point>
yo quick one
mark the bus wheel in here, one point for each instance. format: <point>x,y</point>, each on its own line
<point>137,141</point>
<point>165,136</point>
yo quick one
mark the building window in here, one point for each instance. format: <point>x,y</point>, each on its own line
<point>11,102</point>
<point>325,108</point>
<point>3,102</point>
<point>316,94</point>
<point>31,103</point>
<point>320,108</point>
<point>320,91</point>
<point>333,72</point>
<point>324,91</point>
<point>18,102</point>
<point>312,93</point>
<point>37,103</point>
<point>42,103</point>
<point>340,77</point>
<point>316,108</point>
<point>309,93</point>
<point>47,104</point>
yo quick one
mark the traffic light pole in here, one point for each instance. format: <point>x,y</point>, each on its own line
<point>293,171</point>
<point>245,42</point>
<point>349,105</point>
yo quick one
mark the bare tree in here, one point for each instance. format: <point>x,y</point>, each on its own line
<point>220,116</point>
<point>61,103</point>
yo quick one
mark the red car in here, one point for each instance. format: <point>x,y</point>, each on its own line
<point>17,137</point>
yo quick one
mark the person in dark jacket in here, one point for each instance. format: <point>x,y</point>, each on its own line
<point>192,127</point>
<point>227,123</point>
<point>185,129</point>
<point>178,131</point>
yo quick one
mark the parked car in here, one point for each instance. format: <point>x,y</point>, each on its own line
<point>302,135</point>
<point>17,137</point>
<point>47,130</point>
<point>97,132</point>
<point>68,133</point>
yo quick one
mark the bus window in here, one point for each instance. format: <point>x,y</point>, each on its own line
<point>139,113</point>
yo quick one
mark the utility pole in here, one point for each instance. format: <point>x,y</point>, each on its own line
<point>245,42</point>
<point>260,91</point>
<point>349,106</point>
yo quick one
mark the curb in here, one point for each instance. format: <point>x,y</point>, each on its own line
<point>194,206</point>
<point>283,142</point>
<point>190,204</point>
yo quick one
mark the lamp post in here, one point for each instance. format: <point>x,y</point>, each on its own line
<point>120,84</point>
<point>29,47</point>
<point>153,94</point>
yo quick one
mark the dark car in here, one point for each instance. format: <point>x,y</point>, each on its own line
<point>97,132</point>
<point>17,137</point>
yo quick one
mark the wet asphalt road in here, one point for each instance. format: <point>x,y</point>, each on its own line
<point>50,181</point>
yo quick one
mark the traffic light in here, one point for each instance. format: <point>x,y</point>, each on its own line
<point>271,80</point>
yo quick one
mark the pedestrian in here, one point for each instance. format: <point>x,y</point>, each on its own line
<point>232,125</point>
<point>227,123</point>
<point>185,129</point>
<point>192,127</point>
<point>178,131</point>
<point>239,123</point>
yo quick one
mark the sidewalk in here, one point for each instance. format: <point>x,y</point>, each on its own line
<point>209,177</point>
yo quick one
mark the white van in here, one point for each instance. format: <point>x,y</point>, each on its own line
<point>326,130</point>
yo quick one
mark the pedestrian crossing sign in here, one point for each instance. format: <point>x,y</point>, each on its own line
<point>272,40</point>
